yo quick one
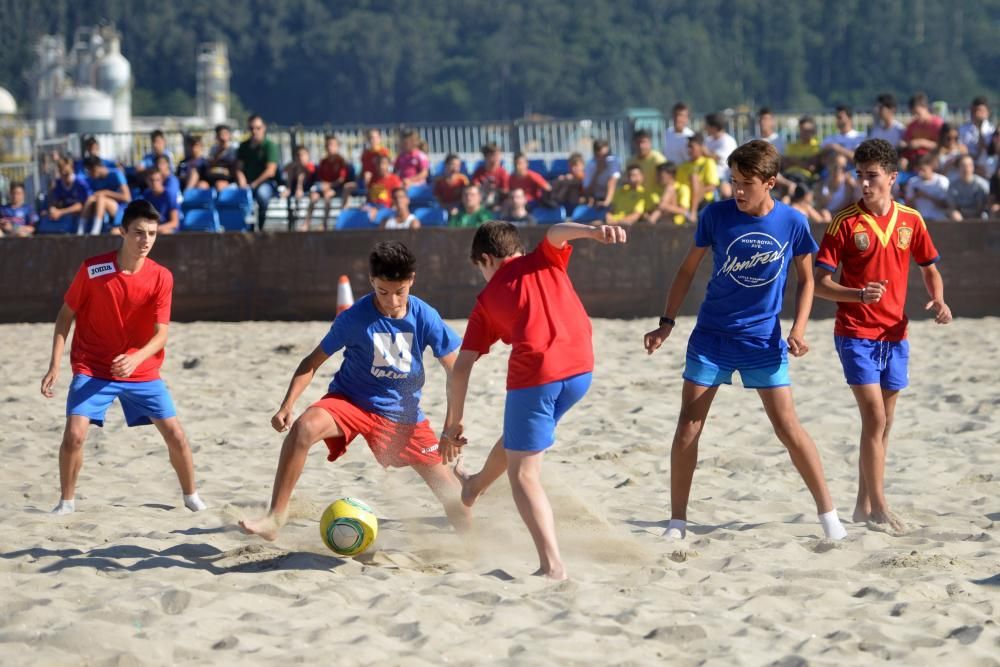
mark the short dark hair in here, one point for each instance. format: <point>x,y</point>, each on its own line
<point>667,167</point>
<point>299,148</point>
<point>640,134</point>
<point>680,106</point>
<point>221,128</point>
<point>495,238</point>
<point>807,119</point>
<point>843,107</point>
<point>518,155</point>
<point>979,101</point>
<point>715,120</point>
<point>575,158</point>
<point>407,134</point>
<point>92,162</point>
<point>15,185</point>
<point>877,151</point>
<point>765,111</point>
<point>887,100</point>
<point>254,116</point>
<point>601,143</point>
<point>799,192</point>
<point>697,138</point>
<point>926,160</point>
<point>633,165</point>
<point>159,159</point>
<point>392,261</point>
<point>919,99</point>
<point>140,209</point>
<point>489,149</point>
<point>330,137</point>
<point>156,134</point>
<point>89,141</point>
<point>756,158</point>
<point>449,157</point>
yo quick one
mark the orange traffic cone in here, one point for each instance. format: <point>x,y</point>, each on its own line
<point>345,297</point>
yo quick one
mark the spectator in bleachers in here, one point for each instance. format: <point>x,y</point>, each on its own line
<point>675,140</point>
<point>976,132</point>
<point>674,197</point>
<point>449,185</point>
<point>492,179</point>
<point>928,190</point>
<point>472,213</point>
<point>300,174</point>
<point>257,166</point>
<point>68,194</point>
<point>171,183</point>
<point>838,188</point>
<point>567,189</point>
<point>221,168</point>
<point>533,185</point>
<point>601,175</point>
<point>632,202</point>
<point>767,130</point>
<point>193,169</point>
<point>802,156</point>
<point>949,151</point>
<point>163,201</point>
<point>159,146</point>
<point>401,217</point>
<point>801,199</point>
<point>370,156</point>
<point>995,195</point>
<point>382,184</point>
<point>17,217</point>
<point>108,192</point>
<point>886,126</point>
<point>718,145</point>
<point>922,134</point>
<point>412,165</point>
<point>847,138</point>
<point>700,173</point>
<point>968,193</point>
<point>333,179</point>
<point>91,146</point>
<point>644,156</point>
<point>516,208</point>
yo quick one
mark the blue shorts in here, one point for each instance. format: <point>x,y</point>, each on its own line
<point>531,414</point>
<point>882,362</point>
<point>712,358</point>
<point>141,401</point>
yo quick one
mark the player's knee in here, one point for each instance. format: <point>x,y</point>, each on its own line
<point>73,439</point>
<point>303,434</point>
<point>874,421</point>
<point>789,433</point>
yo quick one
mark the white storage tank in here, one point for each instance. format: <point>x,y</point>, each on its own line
<point>213,82</point>
<point>114,77</point>
<point>83,110</point>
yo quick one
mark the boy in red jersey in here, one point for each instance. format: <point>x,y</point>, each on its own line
<point>121,304</point>
<point>528,302</point>
<point>873,241</point>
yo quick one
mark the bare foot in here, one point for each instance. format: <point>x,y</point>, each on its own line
<point>886,522</point>
<point>860,514</point>
<point>265,526</point>
<point>469,493</point>
<point>556,573</point>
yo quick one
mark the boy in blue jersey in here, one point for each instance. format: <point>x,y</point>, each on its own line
<point>109,192</point>
<point>376,392</point>
<point>18,218</point>
<point>753,238</point>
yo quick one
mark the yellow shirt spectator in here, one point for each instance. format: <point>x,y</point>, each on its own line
<point>648,165</point>
<point>629,201</point>
<point>707,172</point>
<point>798,150</point>
<point>682,192</point>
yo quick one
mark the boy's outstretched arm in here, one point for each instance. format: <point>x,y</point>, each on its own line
<point>803,304</point>
<point>64,321</point>
<point>935,289</point>
<point>452,441</point>
<point>562,233</point>
<point>282,419</point>
<point>675,297</point>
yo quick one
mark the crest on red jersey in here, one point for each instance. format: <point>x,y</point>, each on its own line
<point>903,236</point>
<point>862,241</point>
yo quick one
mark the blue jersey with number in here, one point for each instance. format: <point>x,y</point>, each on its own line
<point>750,266</point>
<point>383,370</point>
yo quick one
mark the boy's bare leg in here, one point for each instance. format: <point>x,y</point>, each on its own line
<point>313,199</point>
<point>877,407</point>
<point>313,425</point>
<point>447,487</point>
<point>70,461</point>
<point>780,409</point>
<point>524,471</point>
<point>696,401</point>
<point>476,484</point>
<point>181,460</point>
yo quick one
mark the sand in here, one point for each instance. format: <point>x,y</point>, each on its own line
<point>132,578</point>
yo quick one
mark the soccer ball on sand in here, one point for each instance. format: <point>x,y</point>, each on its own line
<point>348,526</point>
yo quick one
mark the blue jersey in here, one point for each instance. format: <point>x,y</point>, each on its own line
<point>64,196</point>
<point>113,181</point>
<point>750,266</point>
<point>19,216</point>
<point>164,203</point>
<point>383,369</point>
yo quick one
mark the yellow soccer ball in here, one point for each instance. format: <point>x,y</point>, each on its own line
<point>348,527</point>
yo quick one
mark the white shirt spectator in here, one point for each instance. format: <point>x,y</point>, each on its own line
<point>721,146</point>
<point>613,169</point>
<point>970,198</point>
<point>675,145</point>
<point>776,141</point>
<point>936,187</point>
<point>969,134</point>
<point>393,222</point>
<point>849,140</point>
<point>893,134</point>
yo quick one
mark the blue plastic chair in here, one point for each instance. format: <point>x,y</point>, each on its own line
<point>421,196</point>
<point>383,214</point>
<point>538,165</point>
<point>201,220</point>
<point>584,213</point>
<point>549,216</point>
<point>432,216</point>
<point>558,168</point>
<point>354,218</point>
<point>234,197</point>
<point>197,198</point>
<point>64,225</point>
<point>233,219</point>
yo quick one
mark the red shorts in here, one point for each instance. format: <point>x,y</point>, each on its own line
<point>393,444</point>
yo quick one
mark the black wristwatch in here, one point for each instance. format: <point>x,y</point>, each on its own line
<point>667,320</point>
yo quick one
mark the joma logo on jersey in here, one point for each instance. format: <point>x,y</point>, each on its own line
<point>95,270</point>
<point>393,351</point>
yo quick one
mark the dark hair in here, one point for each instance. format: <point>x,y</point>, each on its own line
<point>575,158</point>
<point>878,151</point>
<point>392,261</point>
<point>756,158</point>
<point>765,111</point>
<point>220,128</point>
<point>667,167</point>
<point>14,185</point>
<point>919,99</point>
<point>979,101</point>
<point>697,138</point>
<point>518,155</point>
<point>633,165</point>
<point>253,117</point>
<point>638,135</point>
<point>599,144</point>
<point>495,238</point>
<point>92,162</point>
<point>299,148</point>
<point>194,139</point>
<point>843,107</point>
<point>807,119</point>
<point>89,141</point>
<point>489,149</point>
<point>140,209</point>
<point>887,100</point>
<point>407,134</point>
<point>715,120</point>
<point>799,192</point>
<point>156,134</point>
<point>449,157</point>
<point>159,159</point>
<point>945,129</point>
<point>383,157</point>
<point>680,106</point>
<point>330,137</point>
<point>926,160</point>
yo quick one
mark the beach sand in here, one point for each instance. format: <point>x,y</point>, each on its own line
<point>132,578</point>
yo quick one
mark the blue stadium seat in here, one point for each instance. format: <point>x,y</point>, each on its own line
<point>234,197</point>
<point>549,216</point>
<point>233,219</point>
<point>421,195</point>
<point>437,170</point>
<point>539,166</point>
<point>64,225</point>
<point>583,213</point>
<point>201,220</point>
<point>198,198</point>
<point>558,168</point>
<point>432,216</point>
<point>354,218</point>
<point>383,214</point>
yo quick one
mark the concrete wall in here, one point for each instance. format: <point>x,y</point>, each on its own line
<point>294,276</point>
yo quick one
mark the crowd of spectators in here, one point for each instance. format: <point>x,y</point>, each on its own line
<point>945,172</point>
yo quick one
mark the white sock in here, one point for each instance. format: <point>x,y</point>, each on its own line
<point>65,507</point>
<point>676,529</point>
<point>832,527</point>
<point>194,503</point>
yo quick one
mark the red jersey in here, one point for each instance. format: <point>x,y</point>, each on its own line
<point>872,248</point>
<point>116,313</point>
<point>380,189</point>
<point>332,168</point>
<point>533,184</point>
<point>370,158</point>
<point>498,179</point>
<point>918,129</point>
<point>449,190</point>
<point>531,305</point>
